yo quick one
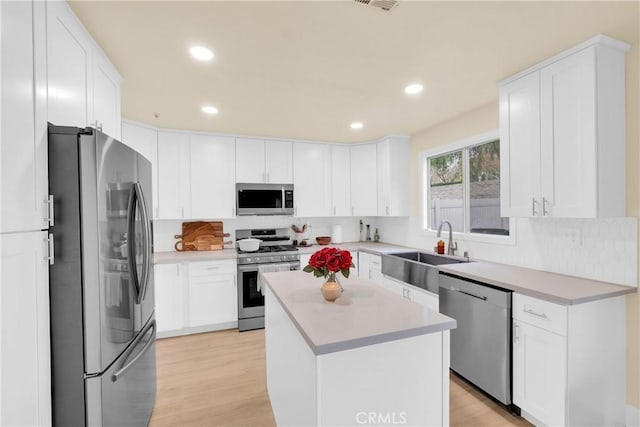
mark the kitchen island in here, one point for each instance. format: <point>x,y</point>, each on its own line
<point>371,357</point>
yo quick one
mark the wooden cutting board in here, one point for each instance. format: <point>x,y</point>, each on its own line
<point>201,236</point>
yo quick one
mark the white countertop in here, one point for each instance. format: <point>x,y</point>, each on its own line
<point>365,314</point>
<point>553,287</point>
<point>171,257</point>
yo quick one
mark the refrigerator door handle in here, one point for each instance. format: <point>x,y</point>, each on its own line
<point>146,223</point>
<point>137,200</point>
<point>131,247</point>
<point>126,366</point>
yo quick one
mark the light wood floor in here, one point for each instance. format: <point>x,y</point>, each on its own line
<point>218,378</point>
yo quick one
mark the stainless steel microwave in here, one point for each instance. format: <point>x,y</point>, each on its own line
<point>264,199</point>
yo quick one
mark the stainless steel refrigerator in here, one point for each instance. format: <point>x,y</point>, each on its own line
<point>101,285</point>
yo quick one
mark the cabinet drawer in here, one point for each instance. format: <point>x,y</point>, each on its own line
<point>544,314</point>
<point>211,268</point>
<point>375,263</point>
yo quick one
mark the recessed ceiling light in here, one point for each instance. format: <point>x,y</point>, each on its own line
<point>412,89</point>
<point>357,125</point>
<point>201,53</point>
<point>209,109</point>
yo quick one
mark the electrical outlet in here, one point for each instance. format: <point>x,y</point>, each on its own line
<point>573,235</point>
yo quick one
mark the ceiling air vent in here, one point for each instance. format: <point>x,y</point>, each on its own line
<point>386,5</point>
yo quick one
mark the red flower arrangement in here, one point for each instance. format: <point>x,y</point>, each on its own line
<point>329,261</point>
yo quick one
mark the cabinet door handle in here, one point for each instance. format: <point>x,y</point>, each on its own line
<point>404,292</point>
<point>545,212</point>
<point>334,211</point>
<point>387,210</point>
<point>533,206</point>
<point>50,250</point>
<point>516,338</point>
<point>409,294</point>
<point>351,210</point>
<point>213,268</point>
<point>50,211</point>
<point>267,174</point>
<point>182,212</point>
<point>533,313</point>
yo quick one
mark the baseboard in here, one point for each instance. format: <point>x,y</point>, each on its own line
<point>633,416</point>
<point>197,330</point>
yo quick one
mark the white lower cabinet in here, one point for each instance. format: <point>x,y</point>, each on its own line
<point>569,361</point>
<point>213,293</point>
<point>370,266</point>
<point>25,361</point>
<point>424,298</point>
<point>169,295</point>
<point>304,260</point>
<point>539,374</point>
<point>193,297</point>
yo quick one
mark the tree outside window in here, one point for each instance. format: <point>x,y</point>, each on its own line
<point>464,188</point>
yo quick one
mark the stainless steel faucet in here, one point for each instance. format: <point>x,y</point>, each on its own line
<point>452,247</point>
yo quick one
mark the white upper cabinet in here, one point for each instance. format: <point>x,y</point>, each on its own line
<point>196,176</point>
<point>174,184</point>
<point>23,125</point>
<point>340,180</point>
<point>144,140</point>
<point>520,146</point>
<point>562,135</point>
<point>259,161</point>
<point>278,160</point>
<point>106,96</point>
<point>69,67</point>
<point>364,179</point>
<point>312,179</point>
<point>393,176</point>
<point>212,170</point>
<point>83,86</point>
<point>250,160</point>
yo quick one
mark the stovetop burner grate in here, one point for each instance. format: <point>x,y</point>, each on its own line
<point>271,249</point>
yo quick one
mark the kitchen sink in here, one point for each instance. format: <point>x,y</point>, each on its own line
<point>426,258</point>
<point>417,268</point>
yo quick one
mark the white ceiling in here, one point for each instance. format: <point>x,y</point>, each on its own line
<point>307,69</point>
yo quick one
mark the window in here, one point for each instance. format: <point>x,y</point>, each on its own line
<point>463,187</point>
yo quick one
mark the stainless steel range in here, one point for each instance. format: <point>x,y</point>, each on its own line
<point>276,253</point>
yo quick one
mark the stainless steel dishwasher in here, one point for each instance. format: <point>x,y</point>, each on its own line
<point>481,344</point>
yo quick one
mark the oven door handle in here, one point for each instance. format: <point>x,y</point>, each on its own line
<point>248,267</point>
<point>254,267</point>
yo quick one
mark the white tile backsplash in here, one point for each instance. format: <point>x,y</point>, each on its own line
<point>599,249</point>
<point>165,230</point>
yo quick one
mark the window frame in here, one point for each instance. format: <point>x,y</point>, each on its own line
<point>424,167</point>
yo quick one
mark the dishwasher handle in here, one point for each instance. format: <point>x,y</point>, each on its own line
<point>471,295</point>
